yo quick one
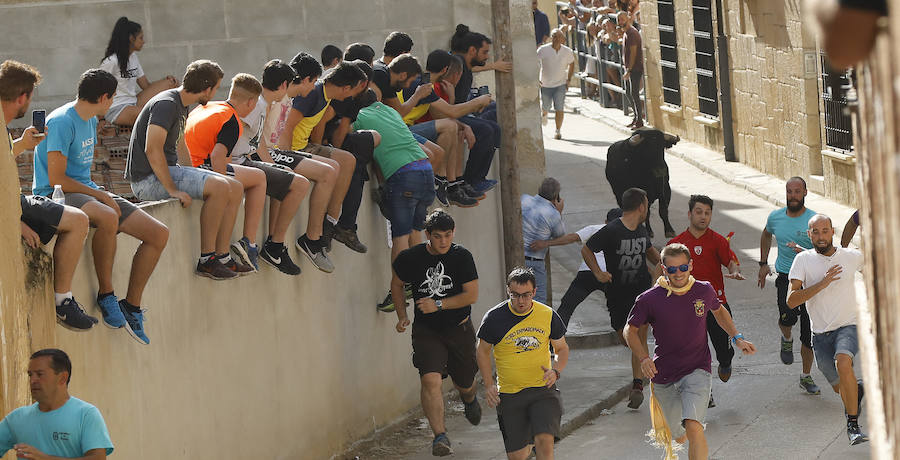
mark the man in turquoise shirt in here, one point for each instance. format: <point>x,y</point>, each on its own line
<point>789,225</point>
<point>57,424</point>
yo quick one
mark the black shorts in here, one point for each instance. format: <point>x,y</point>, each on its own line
<point>527,413</point>
<point>288,158</point>
<point>361,144</point>
<point>620,304</point>
<point>450,351</point>
<point>278,178</point>
<point>41,214</point>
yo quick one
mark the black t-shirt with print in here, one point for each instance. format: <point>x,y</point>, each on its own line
<point>626,254</point>
<point>437,276</point>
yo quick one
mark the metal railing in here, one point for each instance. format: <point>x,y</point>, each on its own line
<point>838,125</point>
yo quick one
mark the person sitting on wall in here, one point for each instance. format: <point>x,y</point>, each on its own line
<point>331,57</point>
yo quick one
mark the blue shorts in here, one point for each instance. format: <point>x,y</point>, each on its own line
<point>828,345</point>
<point>426,130</point>
<point>556,96</point>
<point>420,139</point>
<point>188,180</point>
<point>408,194</point>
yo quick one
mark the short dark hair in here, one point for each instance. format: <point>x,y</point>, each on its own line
<point>613,214</point>
<point>366,98</point>
<point>330,53</point>
<point>345,74</point>
<point>521,275</point>
<point>275,73</point>
<point>405,63</point>
<point>202,75</point>
<point>17,79</point>
<point>59,360</point>
<point>797,178</point>
<point>360,51</point>
<point>633,198</point>
<point>364,66</point>
<point>94,83</point>
<point>397,43</point>
<point>306,66</point>
<point>439,220</point>
<point>438,60</point>
<point>699,199</point>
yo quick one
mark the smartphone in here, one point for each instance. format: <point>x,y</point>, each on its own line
<point>482,90</point>
<point>426,78</point>
<point>38,119</point>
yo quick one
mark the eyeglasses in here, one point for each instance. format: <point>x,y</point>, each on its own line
<point>673,269</point>
<point>523,295</point>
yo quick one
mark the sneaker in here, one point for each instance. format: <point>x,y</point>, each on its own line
<point>112,316</point>
<point>327,235</point>
<point>854,433</point>
<point>282,261</point>
<point>557,136</point>
<point>473,411</point>
<point>458,197</point>
<point>440,447</point>
<point>317,257</point>
<point>724,373</point>
<point>350,239</point>
<point>134,324</point>
<point>440,192</point>
<point>787,351</point>
<point>214,269</point>
<point>807,384</point>
<point>712,402</point>
<point>238,267</point>
<point>387,305</point>
<point>247,254</point>
<point>471,192</point>
<point>636,397</point>
<point>70,315</point>
<point>485,186</point>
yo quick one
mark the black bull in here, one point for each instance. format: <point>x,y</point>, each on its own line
<point>639,161</point>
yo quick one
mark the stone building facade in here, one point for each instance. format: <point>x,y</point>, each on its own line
<point>780,87</point>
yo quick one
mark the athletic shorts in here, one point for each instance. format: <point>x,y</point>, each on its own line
<point>319,149</point>
<point>78,200</point>
<point>361,144</point>
<point>41,214</point>
<point>420,139</point>
<point>450,351</point>
<point>555,96</point>
<point>426,130</point>
<point>188,180</point>
<point>620,304</point>
<point>529,412</point>
<point>278,178</point>
<point>685,399</point>
<point>287,158</point>
<point>114,111</point>
<point>828,345</point>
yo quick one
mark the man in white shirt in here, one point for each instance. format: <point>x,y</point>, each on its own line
<point>822,278</point>
<point>557,66</point>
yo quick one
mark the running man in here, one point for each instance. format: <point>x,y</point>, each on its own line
<point>519,332</point>
<point>789,226</point>
<point>823,278</point>
<point>627,248</point>
<point>680,369</point>
<point>710,252</point>
<point>445,285</point>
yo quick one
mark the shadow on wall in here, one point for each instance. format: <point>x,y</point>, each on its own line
<point>769,20</point>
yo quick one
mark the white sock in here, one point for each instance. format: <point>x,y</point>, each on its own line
<point>786,339</point>
<point>253,245</point>
<point>803,376</point>
<point>331,219</point>
<point>225,259</point>
<point>61,297</point>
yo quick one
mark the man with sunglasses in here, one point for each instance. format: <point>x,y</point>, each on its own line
<point>711,251</point>
<point>680,368</point>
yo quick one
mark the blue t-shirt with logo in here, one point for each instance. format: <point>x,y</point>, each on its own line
<point>72,136</point>
<point>788,229</point>
<point>67,432</point>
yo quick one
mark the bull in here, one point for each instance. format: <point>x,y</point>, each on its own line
<point>639,161</point>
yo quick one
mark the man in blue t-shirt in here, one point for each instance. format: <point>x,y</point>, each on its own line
<point>65,159</point>
<point>57,424</point>
<point>541,24</point>
<point>789,226</point>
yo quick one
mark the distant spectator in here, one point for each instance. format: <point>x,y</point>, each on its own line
<point>359,51</point>
<point>566,19</point>
<point>331,56</point>
<point>41,217</point>
<point>120,59</point>
<point>633,60</point>
<point>56,425</point>
<point>609,36</point>
<point>154,172</point>
<point>541,24</point>
<point>65,159</point>
<point>395,44</point>
<point>541,220</point>
<point>557,67</point>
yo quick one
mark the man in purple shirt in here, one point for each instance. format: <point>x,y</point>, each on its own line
<point>680,368</point>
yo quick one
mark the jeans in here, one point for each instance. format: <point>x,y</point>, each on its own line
<point>828,345</point>
<point>408,194</point>
<point>540,276</point>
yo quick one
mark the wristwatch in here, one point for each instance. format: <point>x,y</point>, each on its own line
<point>439,304</point>
<point>763,262</point>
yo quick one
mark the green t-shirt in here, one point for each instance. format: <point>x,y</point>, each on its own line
<point>398,147</point>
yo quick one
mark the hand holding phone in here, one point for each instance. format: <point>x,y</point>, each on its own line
<point>38,120</point>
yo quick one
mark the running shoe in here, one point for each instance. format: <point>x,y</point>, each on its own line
<point>440,192</point>
<point>327,235</point>
<point>282,261</point>
<point>70,315</point>
<point>471,192</point>
<point>112,315</point>
<point>787,351</point>
<point>238,267</point>
<point>134,324</point>
<point>214,269</point>
<point>724,373</point>
<point>557,136</point>
<point>712,402</point>
<point>473,411</point>
<point>636,397</point>
<point>807,384</point>
<point>350,239</point>
<point>246,253</point>
<point>854,433</point>
<point>440,447</point>
<point>485,186</point>
<point>387,305</point>
<point>316,256</point>
<point>458,197</point>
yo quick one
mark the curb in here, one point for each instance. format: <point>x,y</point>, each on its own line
<point>593,412</point>
<point>586,341</point>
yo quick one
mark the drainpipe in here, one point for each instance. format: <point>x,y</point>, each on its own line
<point>724,84</point>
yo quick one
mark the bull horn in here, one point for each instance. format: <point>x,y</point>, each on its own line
<point>635,139</point>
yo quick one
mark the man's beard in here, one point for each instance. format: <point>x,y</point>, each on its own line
<point>798,207</point>
<point>21,113</point>
<point>478,63</point>
<point>825,250</point>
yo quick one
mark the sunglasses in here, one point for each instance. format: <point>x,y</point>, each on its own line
<point>672,270</point>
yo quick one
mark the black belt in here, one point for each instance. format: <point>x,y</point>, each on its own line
<point>534,259</point>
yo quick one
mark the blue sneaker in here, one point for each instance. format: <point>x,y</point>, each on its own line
<point>485,185</point>
<point>112,314</point>
<point>134,324</point>
<point>249,255</point>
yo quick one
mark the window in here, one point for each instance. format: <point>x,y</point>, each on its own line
<point>668,44</point>
<point>838,127</point>
<point>706,58</point>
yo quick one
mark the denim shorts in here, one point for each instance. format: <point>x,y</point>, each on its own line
<point>408,194</point>
<point>828,345</point>
<point>426,130</point>
<point>188,180</point>
<point>555,96</point>
<point>685,399</point>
